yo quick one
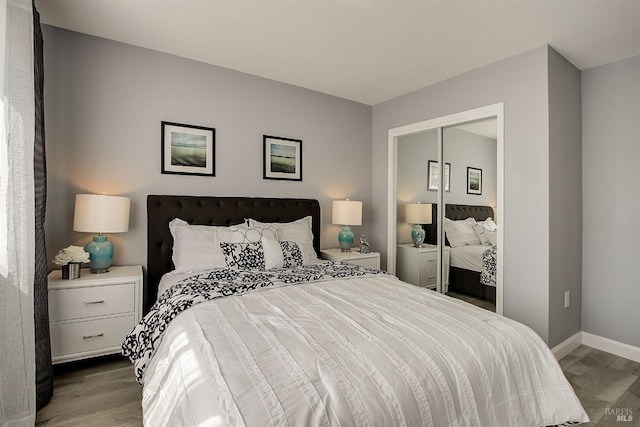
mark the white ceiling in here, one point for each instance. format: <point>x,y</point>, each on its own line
<point>364,50</point>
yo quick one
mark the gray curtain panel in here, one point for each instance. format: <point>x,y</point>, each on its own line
<point>44,368</point>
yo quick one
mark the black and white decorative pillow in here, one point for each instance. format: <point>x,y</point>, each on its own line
<point>243,233</point>
<point>245,256</point>
<point>291,254</point>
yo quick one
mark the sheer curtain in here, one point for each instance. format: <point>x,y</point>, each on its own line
<point>17,116</point>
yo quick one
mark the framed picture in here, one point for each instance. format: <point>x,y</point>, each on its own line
<point>282,158</point>
<point>474,180</point>
<point>188,149</point>
<point>434,174</point>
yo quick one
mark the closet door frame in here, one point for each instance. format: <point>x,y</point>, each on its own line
<point>490,111</point>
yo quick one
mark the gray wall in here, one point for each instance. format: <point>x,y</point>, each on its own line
<point>521,83</point>
<point>611,201</point>
<point>463,149</point>
<point>565,198</point>
<point>104,104</point>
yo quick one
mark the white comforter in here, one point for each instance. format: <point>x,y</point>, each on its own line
<point>468,257</point>
<point>352,352</point>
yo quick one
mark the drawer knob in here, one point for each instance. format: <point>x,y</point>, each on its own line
<point>93,302</point>
<point>86,337</point>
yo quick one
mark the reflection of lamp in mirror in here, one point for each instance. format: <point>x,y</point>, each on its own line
<point>98,213</point>
<point>346,213</point>
<point>418,214</point>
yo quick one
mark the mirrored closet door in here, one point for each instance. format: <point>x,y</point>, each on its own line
<point>454,162</point>
<point>416,189</point>
<point>470,203</point>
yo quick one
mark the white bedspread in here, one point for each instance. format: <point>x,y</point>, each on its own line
<point>468,257</point>
<point>352,352</point>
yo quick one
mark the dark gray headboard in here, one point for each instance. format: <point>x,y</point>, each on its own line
<point>223,211</point>
<point>455,212</point>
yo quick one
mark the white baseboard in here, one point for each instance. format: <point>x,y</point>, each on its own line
<point>567,346</point>
<point>605,344</point>
<point>610,346</point>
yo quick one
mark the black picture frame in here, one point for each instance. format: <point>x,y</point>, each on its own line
<point>188,149</point>
<point>282,158</point>
<point>474,180</point>
<point>433,172</point>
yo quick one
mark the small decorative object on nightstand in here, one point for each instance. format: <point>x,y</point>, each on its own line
<point>70,260</point>
<point>364,246</point>
<point>418,214</point>
<point>91,316</point>
<point>419,266</point>
<point>371,260</point>
<point>346,213</point>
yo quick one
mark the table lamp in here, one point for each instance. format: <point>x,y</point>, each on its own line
<point>346,213</point>
<point>99,213</point>
<point>418,214</point>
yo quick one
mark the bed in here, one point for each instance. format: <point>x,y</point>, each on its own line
<point>350,346</point>
<point>467,263</point>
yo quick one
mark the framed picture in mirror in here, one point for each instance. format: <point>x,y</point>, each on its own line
<point>474,180</point>
<point>433,174</point>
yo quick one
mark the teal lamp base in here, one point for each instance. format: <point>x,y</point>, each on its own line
<point>417,235</point>
<point>345,239</point>
<point>100,254</point>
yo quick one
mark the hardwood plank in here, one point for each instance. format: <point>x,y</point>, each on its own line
<point>98,392</point>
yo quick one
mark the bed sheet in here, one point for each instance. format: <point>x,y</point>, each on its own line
<point>468,257</point>
<point>355,351</point>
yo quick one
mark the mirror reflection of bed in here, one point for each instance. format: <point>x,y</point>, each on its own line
<point>472,261</point>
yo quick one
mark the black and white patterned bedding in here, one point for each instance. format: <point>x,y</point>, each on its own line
<point>488,273</point>
<point>141,343</point>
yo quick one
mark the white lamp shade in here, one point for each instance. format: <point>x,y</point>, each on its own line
<point>346,212</point>
<point>98,213</point>
<point>419,213</point>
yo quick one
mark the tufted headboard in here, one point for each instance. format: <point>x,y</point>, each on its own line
<point>455,212</point>
<point>201,210</point>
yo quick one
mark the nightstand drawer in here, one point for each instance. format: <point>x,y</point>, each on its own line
<point>367,262</point>
<point>428,269</point>
<point>67,304</point>
<point>79,337</point>
<point>371,259</point>
<point>428,277</point>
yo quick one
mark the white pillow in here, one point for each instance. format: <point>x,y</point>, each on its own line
<point>197,246</point>
<point>483,233</point>
<point>493,237</point>
<point>487,231</point>
<point>285,254</point>
<point>298,231</point>
<point>461,233</point>
<point>489,224</point>
<point>243,233</point>
<point>272,253</point>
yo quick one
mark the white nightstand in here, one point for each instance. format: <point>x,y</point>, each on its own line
<point>372,259</point>
<point>419,266</point>
<point>91,316</point>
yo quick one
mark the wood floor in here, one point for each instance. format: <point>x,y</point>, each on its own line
<point>97,393</point>
<point>103,392</point>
